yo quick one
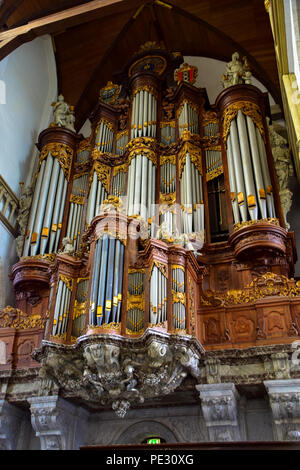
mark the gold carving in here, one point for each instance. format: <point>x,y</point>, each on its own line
<point>136,302</point>
<point>167,159</point>
<point>11,317</point>
<point>62,152</point>
<point>178,297</point>
<point>150,154</point>
<point>79,309</point>
<point>190,103</point>
<point>269,220</point>
<point>249,109</point>
<point>214,173</point>
<point>77,199</point>
<point>161,266</point>
<point>103,172</point>
<point>194,153</point>
<point>120,168</point>
<point>269,284</point>
<point>68,281</point>
<point>167,198</point>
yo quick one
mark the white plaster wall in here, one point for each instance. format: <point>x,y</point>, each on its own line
<point>29,82</point>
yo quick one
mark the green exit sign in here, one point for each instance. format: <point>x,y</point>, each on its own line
<point>153,440</point>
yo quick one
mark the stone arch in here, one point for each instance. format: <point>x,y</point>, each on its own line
<point>137,432</point>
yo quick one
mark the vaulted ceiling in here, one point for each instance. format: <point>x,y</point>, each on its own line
<point>94,39</point>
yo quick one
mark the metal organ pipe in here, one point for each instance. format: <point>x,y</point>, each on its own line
<point>239,177</point>
<point>247,165</point>
<point>258,177</point>
<point>55,216</point>
<point>35,239</point>
<point>232,181</point>
<point>266,174</point>
<point>106,288</point>
<point>33,208</point>
<point>248,170</point>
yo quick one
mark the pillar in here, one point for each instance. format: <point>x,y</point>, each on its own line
<point>219,403</point>
<point>284,398</point>
<point>54,422</point>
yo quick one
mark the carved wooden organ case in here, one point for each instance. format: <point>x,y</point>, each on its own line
<point>172,209</point>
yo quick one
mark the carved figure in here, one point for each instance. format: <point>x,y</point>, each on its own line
<point>60,111</point>
<point>63,114</point>
<point>237,71</point>
<point>70,119</point>
<point>284,169</point>
<point>24,208</point>
<point>68,248</point>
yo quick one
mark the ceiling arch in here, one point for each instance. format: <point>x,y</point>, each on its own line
<point>92,47</point>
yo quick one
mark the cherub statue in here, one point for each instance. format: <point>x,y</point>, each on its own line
<point>70,119</point>
<point>247,76</point>
<point>68,248</point>
<point>237,71</point>
<point>61,109</point>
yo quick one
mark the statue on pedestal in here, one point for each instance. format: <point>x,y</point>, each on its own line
<point>237,71</point>
<point>63,114</point>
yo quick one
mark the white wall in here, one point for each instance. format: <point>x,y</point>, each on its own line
<point>29,81</point>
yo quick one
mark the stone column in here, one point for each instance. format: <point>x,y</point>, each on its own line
<point>54,421</point>
<point>284,398</point>
<point>11,419</point>
<point>220,411</point>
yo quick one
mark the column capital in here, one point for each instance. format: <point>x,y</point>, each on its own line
<point>220,410</point>
<point>53,420</point>
<point>284,398</point>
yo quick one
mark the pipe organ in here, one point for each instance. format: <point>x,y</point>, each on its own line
<point>144,223</point>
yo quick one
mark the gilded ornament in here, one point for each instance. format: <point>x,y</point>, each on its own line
<point>62,152</point>
<point>77,199</point>
<point>161,266</point>
<point>79,309</point>
<point>163,124</point>
<point>270,220</point>
<point>11,317</point>
<point>249,109</point>
<point>268,284</point>
<point>136,302</point>
<point>120,168</point>
<point>103,174</point>
<point>194,106</point>
<point>167,159</point>
<point>167,198</point>
<point>143,151</point>
<point>68,281</point>
<point>109,93</point>
<point>214,173</point>
<point>151,63</point>
<point>195,156</point>
<point>178,297</point>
